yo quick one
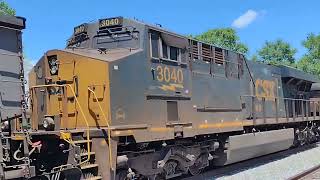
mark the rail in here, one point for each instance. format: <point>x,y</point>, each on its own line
<point>81,111</point>
<point>108,125</point>
<point>312,173</point>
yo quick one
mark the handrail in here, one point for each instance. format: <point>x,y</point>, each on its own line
<point>86,121</point>
<point>303,108</point>
<point>81,111</point>
<point>276,97</point>
<point>108,125</point>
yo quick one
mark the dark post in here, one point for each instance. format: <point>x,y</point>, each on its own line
<point>253,110</point>
<point>302,110</point>
<point>314,109</point>
<point>294,110</point>
<point>307,110</point>
<point>286,103</point>
<point>276,105</point>
<point>264,109</point>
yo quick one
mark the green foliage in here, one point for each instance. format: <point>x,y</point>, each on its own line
<point>312,43</point>
<point>5,9</point>
<point>277,52</point>
<point>309,65</point>
<point>254,58</point>
<point>225,38</point>
<point>310,62</point>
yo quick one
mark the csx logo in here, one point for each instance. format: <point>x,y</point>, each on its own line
<point>266,89</point>
<point>172,75</point>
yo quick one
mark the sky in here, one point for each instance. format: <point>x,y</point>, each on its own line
<point>51,22</point>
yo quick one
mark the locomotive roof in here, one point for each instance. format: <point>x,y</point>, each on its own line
<point>298,74</point>
<point>12,22</point>
<point>315,87</point>
<point>164,30</point>
<point>161,29</point>
<point>286,72</point>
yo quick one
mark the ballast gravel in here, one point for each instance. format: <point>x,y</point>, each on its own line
<point>282,168</point>
<point>277,166</point>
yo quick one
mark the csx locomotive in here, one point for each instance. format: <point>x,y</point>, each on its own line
<point>129,100</point>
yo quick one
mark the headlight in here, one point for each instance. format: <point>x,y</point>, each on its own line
<point>53,64</point>
<point>54,70</point>
<point>5,125</point>
<point>48,124</point>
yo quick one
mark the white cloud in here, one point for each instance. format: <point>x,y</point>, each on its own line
<point>245,19</point>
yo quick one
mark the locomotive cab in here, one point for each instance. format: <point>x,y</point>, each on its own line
<point>86,85</point>
<point>81,73</point>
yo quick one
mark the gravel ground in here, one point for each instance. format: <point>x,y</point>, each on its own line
<point>280,165</point>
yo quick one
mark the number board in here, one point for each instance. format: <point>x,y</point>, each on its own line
<point>80,29</point>
<point>110,22</point>
<point>169,74</point>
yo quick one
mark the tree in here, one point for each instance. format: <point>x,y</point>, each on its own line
<point>310,62</point>
<point>225,38</point>
<point>5,9</point>
<point>277,52</point>
<point>308,65</point>
<point>254,58</point>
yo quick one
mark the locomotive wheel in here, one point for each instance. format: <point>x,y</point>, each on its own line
<point>197,167</point>
<point>121,174</point>
<point>301,136</point>
<point>170,168</point>
<point>195,170</point>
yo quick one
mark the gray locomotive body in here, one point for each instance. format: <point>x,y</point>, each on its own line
<point>11,68</point>
<point>12,94</point>
<point>190,102</point>
<point>130,100</point>
<point>165,79</point>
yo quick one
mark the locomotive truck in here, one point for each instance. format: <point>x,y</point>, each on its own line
<point>130,100</point>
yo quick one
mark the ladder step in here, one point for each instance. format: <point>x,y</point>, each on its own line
<point>86,153</point>
<point>82,141</point>
<point>94,178</point>
<point>87,166</point>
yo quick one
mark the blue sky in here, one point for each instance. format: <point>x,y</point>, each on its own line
<point>51,22</point>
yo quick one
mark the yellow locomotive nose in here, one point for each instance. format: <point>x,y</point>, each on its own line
<point>72,88</point>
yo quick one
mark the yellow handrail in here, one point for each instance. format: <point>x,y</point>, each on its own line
<point>86,121</point>
<point>81,111</point>
<point>108,125</point>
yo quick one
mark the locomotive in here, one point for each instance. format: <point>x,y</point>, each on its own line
<point>129,100</point>
<point>13,104</point>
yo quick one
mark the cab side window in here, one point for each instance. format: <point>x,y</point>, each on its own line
<point>174,53</point>
<point>162,50</point>
<point>154,40</point>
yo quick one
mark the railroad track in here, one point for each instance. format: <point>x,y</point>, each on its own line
<point>233,169</point>
<point>312,173</point>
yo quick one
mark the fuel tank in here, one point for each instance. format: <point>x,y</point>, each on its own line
<point>251,145</point>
